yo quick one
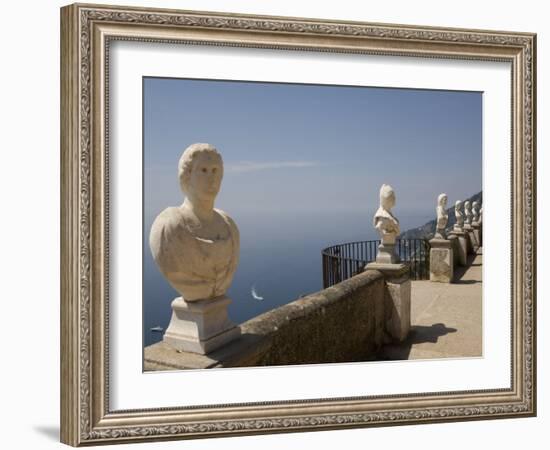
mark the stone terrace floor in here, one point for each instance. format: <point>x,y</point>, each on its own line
<point>446,319</point>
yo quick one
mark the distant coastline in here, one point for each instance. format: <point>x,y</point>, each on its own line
<point>427,230</point>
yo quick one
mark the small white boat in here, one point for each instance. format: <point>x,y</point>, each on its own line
<point>157,329</point>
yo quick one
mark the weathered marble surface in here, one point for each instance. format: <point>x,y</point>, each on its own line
<point>453,239</point>
<point>476,222</point>
<point>387,226</point>
<point>458,226</point>
<point>397,298</point>
<point>196,248</point>
<point>442,217</point>
<point>470,240</point>
<point>475,212</point>
<point>468,212</point>
<point>441,261</point>
<point>462,247</point>
<point>200,326</point>
<point>398,293</point>
<point>477,233</point>
<point>473,244</point>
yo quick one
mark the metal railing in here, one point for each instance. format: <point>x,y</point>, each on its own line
<point>343,261</point>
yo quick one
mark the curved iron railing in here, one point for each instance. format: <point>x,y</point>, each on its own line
<point>343,261</point>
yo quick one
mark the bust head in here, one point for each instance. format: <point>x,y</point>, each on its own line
<point>466,205</point>
<point>387,197</point>
<point>200,172</point>
<point>458,205</point>
<point>442,200</point>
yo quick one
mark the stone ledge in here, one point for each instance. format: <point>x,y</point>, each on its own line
<point>389,271</point>
<point>440,243</point>
<point>161,356</point>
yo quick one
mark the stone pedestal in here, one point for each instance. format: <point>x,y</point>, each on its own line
<point>453,239</point>
<point>397,298</point>
<point>386,253</point>
<point>469,239</point>
<point>473,240</point>
<point>441,261</point>
<point>477,232</point>
<point>462,247</point>
<point>200,326</point>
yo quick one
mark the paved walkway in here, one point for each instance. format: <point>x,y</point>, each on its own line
<point>446,318</point>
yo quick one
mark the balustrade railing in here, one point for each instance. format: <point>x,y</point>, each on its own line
<point>343,261</point>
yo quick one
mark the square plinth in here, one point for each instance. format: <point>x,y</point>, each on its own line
<point>200,326</point>
<point>462,247</point>
<point>441,261</point>
<point>397,298</point>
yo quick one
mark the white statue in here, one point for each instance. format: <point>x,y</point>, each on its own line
<point>480,219</point>
<point>475,212</point>
<point>195,245</point>
<point>442,217</point>
<point>459,217</point>
<point>387,225</point>
<point>468,212</point>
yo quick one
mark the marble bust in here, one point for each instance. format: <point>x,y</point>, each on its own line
<point>459,217</point>
<point>442,217</point>
<point>468,212</point>
<point>475,212</point>
<point>384,221</point>
<point>387,226</point>
<point>195,245</point>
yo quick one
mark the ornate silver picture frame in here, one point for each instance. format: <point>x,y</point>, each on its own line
<point>87,414</point>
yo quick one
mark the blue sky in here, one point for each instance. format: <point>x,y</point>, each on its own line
<point>310,149</point>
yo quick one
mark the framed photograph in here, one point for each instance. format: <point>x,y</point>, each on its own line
<point>276,224</point>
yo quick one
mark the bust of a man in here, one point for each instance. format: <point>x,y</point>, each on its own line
<point>468,212</point>
<point>442,216</point>
<point>195,245</point>
<point>475,212</point>
<point>459,216</point>
<point>384,221</point>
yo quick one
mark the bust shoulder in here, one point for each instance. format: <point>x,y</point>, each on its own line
<point>165,226</point>
<point>170,216</point>
<point>229,221</point>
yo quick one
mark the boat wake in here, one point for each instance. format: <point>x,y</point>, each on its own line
<point>254,294</point>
